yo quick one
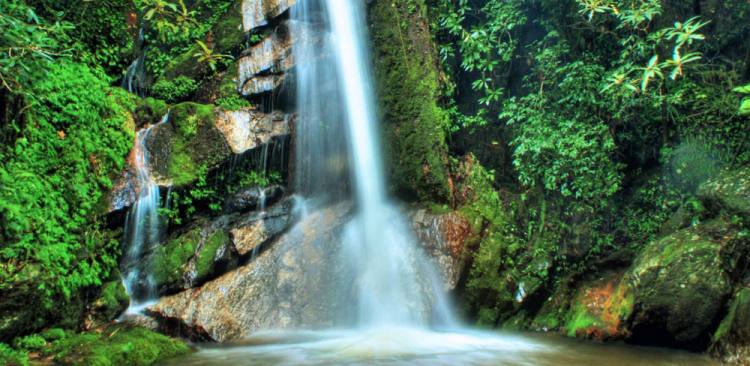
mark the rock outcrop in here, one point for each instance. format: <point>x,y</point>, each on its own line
<point>258,13</point>
<point>288,285</point>
<point>443,237</point>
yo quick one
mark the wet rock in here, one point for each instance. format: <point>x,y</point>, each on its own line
<point>262,67</point>
<point>444,237</point>
<point>247,129</point>
<point>680,285</point>
<point>257,13</point>
<point>731,341</point>
<point>600,309</point>
<point>290,285</point>
<point>252,198</point>
<point>728,192</point>
<point>209,248</point>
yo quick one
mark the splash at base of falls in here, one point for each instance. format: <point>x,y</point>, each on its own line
<point>413,346</point>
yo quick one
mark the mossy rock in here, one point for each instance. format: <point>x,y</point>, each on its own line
<point>680,285</point>
<point>600,308</point>
<point>188,145</point>
<point>731,341</point>
<point>112,301</point>
<point>21,307</point>
<point>169,261</point>
<point>116,345</point>
<point>730,192</point>
<point>407,74</point>
<point>190,258</point>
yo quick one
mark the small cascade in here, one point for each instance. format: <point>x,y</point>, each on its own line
<point>337,146</point>
<point>143,226</point>
<point>135,76</point>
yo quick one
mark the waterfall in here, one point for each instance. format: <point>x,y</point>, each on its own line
<point>337,143</point>
<point>143,226</point>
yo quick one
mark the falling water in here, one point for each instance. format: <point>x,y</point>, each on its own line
<point>337,142</point>
<point>142,226</point>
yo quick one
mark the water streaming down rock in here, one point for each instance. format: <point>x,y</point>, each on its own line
<point>143,226</point>
<point>337,143</point>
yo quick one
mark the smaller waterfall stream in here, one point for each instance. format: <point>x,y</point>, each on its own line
<point>143,226</point>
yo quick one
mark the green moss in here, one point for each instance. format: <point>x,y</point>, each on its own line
<point>407,74</point>
<point>193,142</point>
<point>53,334</point>
<point>736,324</point>
<point>11,357</point>
<point>111,302</point>
<point>32,342</point>
<point>205,262</point>
<point>174,90</point>
<point>730,192</point>
<point>169,261</point>
<point>117,345</point>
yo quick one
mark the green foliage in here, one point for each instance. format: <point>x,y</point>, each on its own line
<point>11,357</point>
<point>745,103</point>
<point>176,90</point>
<point>33,342</point>
<point>207,56</point>
<point>70,141</point>
<point>232,103</point>
<point>27,43</point>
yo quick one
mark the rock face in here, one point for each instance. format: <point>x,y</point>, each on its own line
<point>443,237</point>
<point>246,129</point>
<point>289,285</point>
<point>262,68</point>
<point>731,342</point>
<point>210,248</point>
<point>296,280</point>
<point>257,13</point>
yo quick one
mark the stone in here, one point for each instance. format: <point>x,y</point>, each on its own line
<point>680,285</point>
<point>252,232</point>
<point>731,341</point>
<point>111,302</point>
<point>600,309</point>
<point>252,198</point>
<point>729,192</point>
<point>246,129</point>
<point>443,236</point>
<point>258,13</point>
<point>290,285</point>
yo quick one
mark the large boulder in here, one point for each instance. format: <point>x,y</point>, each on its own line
<point>680,284</point>
<point>207,249</point>
<point>262,67</point>
<point>292,284</point>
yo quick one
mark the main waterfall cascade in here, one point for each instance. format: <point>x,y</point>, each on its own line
<point>337,142</point>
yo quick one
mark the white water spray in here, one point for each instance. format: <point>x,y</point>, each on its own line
<point>143,227</point>
<point>395,283</point>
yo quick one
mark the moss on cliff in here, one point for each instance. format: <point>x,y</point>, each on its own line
<point>169,261</point>
<point>408,82</point>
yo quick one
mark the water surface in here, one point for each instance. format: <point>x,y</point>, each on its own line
<point>417,347</point>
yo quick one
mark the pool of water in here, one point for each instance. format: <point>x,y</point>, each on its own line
<point>403,346</point>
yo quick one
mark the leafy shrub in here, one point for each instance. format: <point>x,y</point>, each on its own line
<point>33,342</point>
<point>11,357</point>
<point>173,91</point>
<point>232,103</point>
<point>72,139</point>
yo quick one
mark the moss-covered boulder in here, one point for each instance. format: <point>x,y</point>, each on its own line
<point>729,192</point>
<point>115,345</point>
<point>186,144</point>
<point>188,258</point>
<point>731,341</point>
<point>21,304</point>
<point>680,285</point>
<point>407,74</point>
<point>112,301</point>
